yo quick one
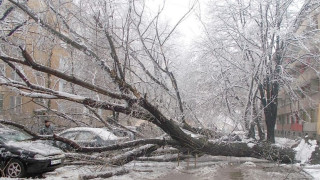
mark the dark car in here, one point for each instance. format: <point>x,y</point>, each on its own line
<point>20,155</point>
<point>89,137</point>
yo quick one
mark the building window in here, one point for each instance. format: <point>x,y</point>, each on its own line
<point>313,115</point>
<point>1,103</point>
<point>302,115</point>
<point>39,101</point>
<point>40,78</point>
<point>100,112</point>
<point>12,102</point>
<point>15,76</point>
<point>76,112</point>
<point>314,85</point>
<point>62,85</point>
<point>296,118</point>
<point>63,66</point>
<point>2,69</point>
<point>302,68</point>
<point>292,119</point>
<point>281,119</point>
<point>16,104</point>
<point>306,89</point>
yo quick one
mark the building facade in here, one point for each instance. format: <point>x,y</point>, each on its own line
<point>50,51</point>
<point>299,103</point>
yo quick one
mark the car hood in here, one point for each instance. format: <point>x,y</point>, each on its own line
<point>37,147</point>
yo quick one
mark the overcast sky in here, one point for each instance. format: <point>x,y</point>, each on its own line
<point>175,9</point>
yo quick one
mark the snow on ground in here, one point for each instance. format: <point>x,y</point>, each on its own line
<point>74,171</point>
<point>284,142</point>
<point>303,153</point>
<point>248,164</point>
<point>304,150</point>
<point>206,167</point>
<point>313,170</point>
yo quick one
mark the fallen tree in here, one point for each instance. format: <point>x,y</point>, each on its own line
<point>122,66</point>
<point>131,155</point>
<point>200,146</point>
<point>175,157</point>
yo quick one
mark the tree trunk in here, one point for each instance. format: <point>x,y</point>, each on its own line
<point>199,146</point>
<point>270,131</point>
<point>132,155</point>
<point>252,133</point>
<point>269,101</point>
<point>257,120</point>
<point>260,131</point>
<point>173,158</point>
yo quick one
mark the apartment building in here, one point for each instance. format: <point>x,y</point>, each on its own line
<point>13,106</point>
<point>299,103</point>
<point>47,50</point>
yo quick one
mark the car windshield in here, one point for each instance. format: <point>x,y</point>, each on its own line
<point>12,135</point>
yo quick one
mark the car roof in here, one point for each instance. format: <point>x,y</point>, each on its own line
<point>4,129</point>
<point>101,132</point>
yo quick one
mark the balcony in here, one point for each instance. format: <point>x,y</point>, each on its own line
<point>296,127</point>
<point>308,126</point>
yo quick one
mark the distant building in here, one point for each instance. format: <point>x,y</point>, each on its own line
<point>299,108</point>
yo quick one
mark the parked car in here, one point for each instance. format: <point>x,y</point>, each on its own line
<point>89,137</point>
<point>21,155</point>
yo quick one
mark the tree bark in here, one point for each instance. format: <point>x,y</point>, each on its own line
<point>269,100</point>
<point>256,121</point>
<point>132,155</point>
<point>241,149</point>
<point>252,133</point>
<point>175,157</point>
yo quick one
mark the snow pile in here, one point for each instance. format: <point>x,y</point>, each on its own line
<point>101,132</point>
<point>313,170</point>
<point>36,146</point>
<point>285,142</point>
<point>304,150</point>
<point>250,145</point>
<point>248,164</point>
<point>206,172</point>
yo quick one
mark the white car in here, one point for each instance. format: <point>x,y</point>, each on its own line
<point>89,137</point>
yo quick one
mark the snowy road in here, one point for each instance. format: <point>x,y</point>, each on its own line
<point>207,167</point>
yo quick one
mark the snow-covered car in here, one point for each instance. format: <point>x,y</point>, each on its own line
<point>124,133</point>
<point>21,155</point>
<point>89,137</point>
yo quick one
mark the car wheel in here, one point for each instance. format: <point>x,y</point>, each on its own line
<point>15,169</point>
